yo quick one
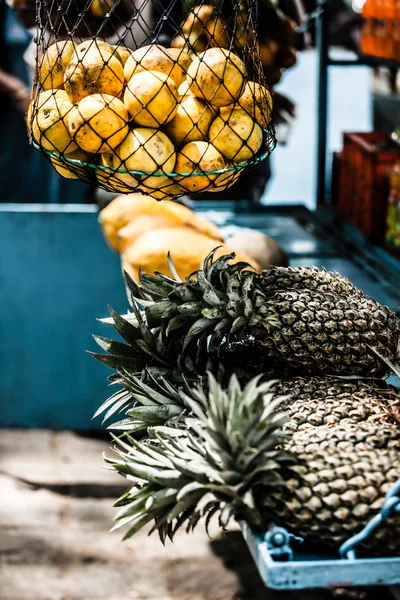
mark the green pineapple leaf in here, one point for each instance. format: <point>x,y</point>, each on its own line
<point>216,460</point>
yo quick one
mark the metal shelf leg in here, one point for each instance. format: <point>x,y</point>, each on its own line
<point>322,129</point>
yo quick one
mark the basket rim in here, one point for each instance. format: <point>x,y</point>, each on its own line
<point>79,163</point>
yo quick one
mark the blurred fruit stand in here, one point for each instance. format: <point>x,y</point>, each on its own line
<point>364,187</point>
<point>208,307</point>
<point>65,274</point>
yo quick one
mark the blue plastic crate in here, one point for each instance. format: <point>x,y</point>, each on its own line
<point>284,566</point>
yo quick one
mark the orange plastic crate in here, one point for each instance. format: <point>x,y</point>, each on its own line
<point>366,161</point>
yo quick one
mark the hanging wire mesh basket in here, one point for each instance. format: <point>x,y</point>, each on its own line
<point>165,98</point>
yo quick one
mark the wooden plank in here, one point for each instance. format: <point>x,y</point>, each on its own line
<point>58,461</point>
<point>54,547</point>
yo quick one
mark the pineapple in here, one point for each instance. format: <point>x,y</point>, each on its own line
<point>305,414</point>
<point>317,401</point>
<point>325,387</point>
<point>151,399</point>
<point>229,458</point>
<point>280,322</point>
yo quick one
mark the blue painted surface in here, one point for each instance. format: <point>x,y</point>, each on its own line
<point>56,277</point>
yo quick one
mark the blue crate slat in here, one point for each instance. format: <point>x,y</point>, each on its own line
<point>307,571</point>
<point>56,277</point>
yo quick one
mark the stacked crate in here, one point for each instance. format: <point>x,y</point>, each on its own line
<point>366,162</point>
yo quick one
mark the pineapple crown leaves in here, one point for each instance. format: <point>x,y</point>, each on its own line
<point>149,399</point>
<point>222,459</point>
<point>217,298</point>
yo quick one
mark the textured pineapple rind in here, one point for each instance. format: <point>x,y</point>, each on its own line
<point>315,332</point>
<point>318,401</point>
<point>230,458</point>
<point>340,484</point>
<point>227,319</point>
<point>305,413</point>
<point>282,322</point>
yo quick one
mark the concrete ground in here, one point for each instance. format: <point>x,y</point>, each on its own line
<point>55,515</point>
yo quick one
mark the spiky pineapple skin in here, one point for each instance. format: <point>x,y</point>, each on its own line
<point>282,322</point>
<point>326,334</point>
<point>346,409</point>
<point>319,401</point>
<point>339,484</point>
<point>323,387</point>
<point>230,457</point>
<point>311,278</point>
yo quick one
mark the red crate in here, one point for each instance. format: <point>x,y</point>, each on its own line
<point>366,161</point>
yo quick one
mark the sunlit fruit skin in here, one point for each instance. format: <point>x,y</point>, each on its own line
<point>49,115</point>
<point>236,135</point>
<point>217,76</point>
<point>98,123</point>
<point>172,62</point>
<point>70,170</point>
<point>182,61</point>
<point>151,98</point>
<point>191,122</point>
<point>256,101</point>
<point>146,150</point>
<point>186,246</point>
<point>115,172</point>
<point>198,157</point>
<point>120,220</point>
<point>53,64</point>
<point>97,71</point>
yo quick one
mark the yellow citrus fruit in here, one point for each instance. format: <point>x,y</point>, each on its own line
<point>116,170</point>
<point>160,59</point>
<point>218,76</point>
<point>148,150</point>
<point>108,181</point>
<point>225,180</point>
<point>94,70</point>
<point>198,19</point>
<point>82,49</point>
<point>168,190</point>
<point>196,157</point>
<point>217,33</point>
<point>53,64</point>
<point>50,114</point>
<point>184,89</point>
<point>236,136</point>
<point>100,8</point>
<point>71,170</point>
<point>98,123</point>
<point>256,101</point>
<point>191,42</point>
<point>182,61</point>
<point>124,53</point>
<point>151,98</point>
<point>191,121</point>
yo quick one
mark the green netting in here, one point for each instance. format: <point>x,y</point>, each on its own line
<point>161,98</point>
